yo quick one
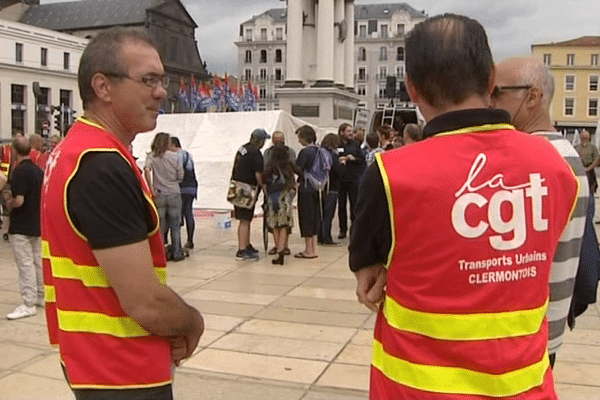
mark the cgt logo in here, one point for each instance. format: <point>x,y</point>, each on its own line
<point>515,196</point>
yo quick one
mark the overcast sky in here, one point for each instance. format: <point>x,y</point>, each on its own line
<point>512,25</point>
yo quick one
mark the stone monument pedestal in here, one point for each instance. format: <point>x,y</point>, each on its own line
<point>322,106</point>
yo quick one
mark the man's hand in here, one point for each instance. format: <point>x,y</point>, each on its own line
<point>178,346</point>
<point>193,337</point>
<point>370,288</point>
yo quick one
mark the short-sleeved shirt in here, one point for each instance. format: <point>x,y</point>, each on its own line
<point>106,203</point>
<point>26,181</point>
<point>587,152</point>
<point>248,161</point>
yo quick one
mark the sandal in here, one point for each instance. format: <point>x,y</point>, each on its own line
<point>302,255</point>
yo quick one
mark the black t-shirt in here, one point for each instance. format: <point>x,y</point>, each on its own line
<point>248,161</point>
<point>305,160</point>
<point>106,203</point>
<point>26,181</point>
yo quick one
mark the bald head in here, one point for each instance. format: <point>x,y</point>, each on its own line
<point>524,88</point>
<point>523,71</point>
<point>277,137</point>
<point>22,145</point>
<point>585,136</point>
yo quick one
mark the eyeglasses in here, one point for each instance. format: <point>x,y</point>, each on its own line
<point>152,81</point>
<point>498,89</point>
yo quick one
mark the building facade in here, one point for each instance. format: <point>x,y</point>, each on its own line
<point>166,21</point>
<point>38,71</point>
<point>576,71</point>
<point>379,34</point>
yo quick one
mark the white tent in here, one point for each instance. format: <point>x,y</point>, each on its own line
<point>213,139</point>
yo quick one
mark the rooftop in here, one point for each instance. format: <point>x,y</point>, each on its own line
<point>88,14</point>
<point>584,41</point>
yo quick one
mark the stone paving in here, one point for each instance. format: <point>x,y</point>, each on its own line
<point>291,332</point>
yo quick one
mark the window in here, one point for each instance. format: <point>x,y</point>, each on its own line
<point>383,54</point>
<point>547,59</point>
<point>248,56</point>
<point>384,31</point>
<point>400,30</point>
<point>262,92</point>
<point>247,74</point>
<point>263,33</point>
<point>263,74</point>
<point>400,72</point>
<point>400,54</point>
<point>278,75</point>
<point>65,97</point>
<point>570,59</point>
<point>593,107</point>
<point>569,106</point>
<point>248,35</point>
<point>262,107</point>
<point>362,54</point>
<point>361,90</point>
<point>362,31</point>
<point>278,56</point>
<point>44,57</point>
<point>19,52</point>
<point>263,56</point>
<point>362,73</point>
<point>383,72</point>
<point>594,60</point>
<point>381,90</point>
<point>17,99</point>
<point>66,61</point>
<point>278,33</point>
<point>569,82</point>
<point>593,83</point>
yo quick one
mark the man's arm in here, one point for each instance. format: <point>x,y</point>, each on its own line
<point>155,307</point>
<point>370,287</point>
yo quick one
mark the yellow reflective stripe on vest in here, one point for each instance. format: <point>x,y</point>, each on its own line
<point>49,294</point>
<point>65,268</point>
<point>439,379</point>
<point>81,321</point>
<point>483,326</point>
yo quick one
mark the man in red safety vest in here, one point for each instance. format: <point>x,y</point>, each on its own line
<point>454,236</point>
<point>119,328</point>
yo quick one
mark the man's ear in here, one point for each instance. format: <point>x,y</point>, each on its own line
<point>491,82</point>
<point>534,97</point>
<point>411,90</point>
<point>101,85</point>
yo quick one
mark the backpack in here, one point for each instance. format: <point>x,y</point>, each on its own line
<point>318,174</point>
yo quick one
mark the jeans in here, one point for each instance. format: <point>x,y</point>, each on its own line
<point>348,190</point>
<point>169,212</point>
<point>329,202</point>
<point>28,256</point>
<point>188,214</point>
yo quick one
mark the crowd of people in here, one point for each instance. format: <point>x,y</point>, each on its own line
<point>340,157</point>
<point>474,246</point>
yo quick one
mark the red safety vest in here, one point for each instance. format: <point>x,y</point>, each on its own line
<point>100,346</point>
<point>6,161</point>
<point>476,217</point>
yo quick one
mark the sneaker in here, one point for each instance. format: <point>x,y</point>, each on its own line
<point>21,312</point>
<point>245,255</point>
<point>189,245</point>
<point>40,303</point>
<point>251,249</point>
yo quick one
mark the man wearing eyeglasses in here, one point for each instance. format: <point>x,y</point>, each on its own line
<point>118,326</point>
<point>524,87</point>
<point>456,260</point>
